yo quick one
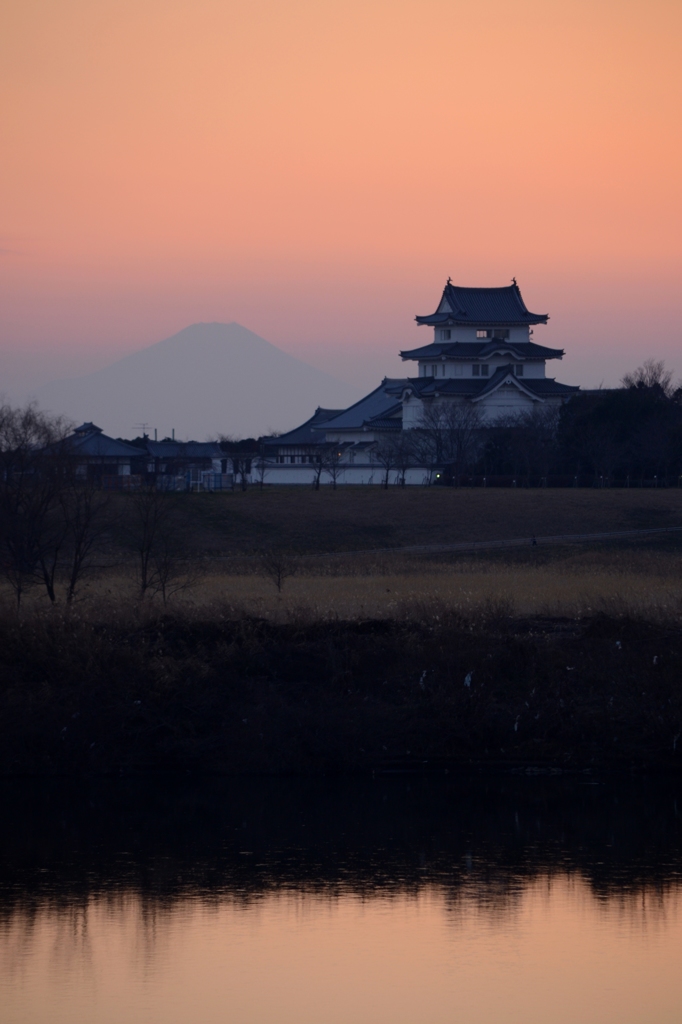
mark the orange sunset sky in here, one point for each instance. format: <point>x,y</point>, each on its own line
<point>315,169</point>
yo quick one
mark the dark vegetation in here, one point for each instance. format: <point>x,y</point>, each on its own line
<point>66,841</point>
<point>257,696</point>
<point>627,436</point>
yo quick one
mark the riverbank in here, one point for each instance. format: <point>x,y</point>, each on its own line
<point>437,689</point>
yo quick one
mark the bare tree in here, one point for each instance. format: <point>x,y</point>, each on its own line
<point>316,455</point>
<point>385,452</point>
<point>332,464</point>
<point>278,566</point>
<point>404,453</point>
<point>33,465</point>
<point>86,514</point>
<point>261,464</point>
<point>449,435</point>
<point>172,572</point>
<point>157,538</point>
<point>652,374</point>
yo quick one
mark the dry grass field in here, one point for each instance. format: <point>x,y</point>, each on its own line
<point>227,531</point>
<point>573,582</point>
<point>357,518</point>
<point>642,576</point>
<point>345,554</point>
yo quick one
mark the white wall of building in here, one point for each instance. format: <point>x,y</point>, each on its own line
<point>459,368</point>
<point>463,333</point>
<point>367,475</point>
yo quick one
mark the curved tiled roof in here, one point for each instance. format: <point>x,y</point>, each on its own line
<point>377,403</point>
<point>537,386</point>
<point>304,434</point>
<point>481,349</point>
<point>90,441</point>
<point>482,306</point>
<point>386,423</point>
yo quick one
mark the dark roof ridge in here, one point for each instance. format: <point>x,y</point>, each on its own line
<point>477,349</point>
<point>499,376</point>
<point>88,428</point>
<point>386,382</point>
<point>319,416</point>
<point>479,305</point>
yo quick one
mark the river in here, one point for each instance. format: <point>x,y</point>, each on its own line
<point>393,900</point>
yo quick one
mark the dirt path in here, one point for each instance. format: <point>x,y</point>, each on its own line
<point>514,542</point>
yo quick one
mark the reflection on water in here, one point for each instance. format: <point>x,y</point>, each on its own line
<point>390,900</point>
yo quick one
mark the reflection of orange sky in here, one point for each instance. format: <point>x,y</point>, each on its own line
<point>557,956</point>
<point>316,170</point>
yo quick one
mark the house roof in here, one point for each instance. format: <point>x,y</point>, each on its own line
<point>482,349</point>
<point>378,403</point>
<point>91,441</point>
<point>429,386</point>
<point>482,307</point>
<point>304,434</point>
<point>385,423</point>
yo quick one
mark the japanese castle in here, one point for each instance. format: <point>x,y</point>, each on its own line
<point>482,355</point>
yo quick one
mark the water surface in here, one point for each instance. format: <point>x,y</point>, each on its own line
<point>389,900</point>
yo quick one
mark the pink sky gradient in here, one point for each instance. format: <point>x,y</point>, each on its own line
<point>315,171</point>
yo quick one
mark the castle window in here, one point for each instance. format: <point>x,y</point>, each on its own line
<point>434,370</point>
<point>499,333</point>
<point>484,370</point>
<point>476,370</point>
<point>518,369</point>
<point>445,334</point>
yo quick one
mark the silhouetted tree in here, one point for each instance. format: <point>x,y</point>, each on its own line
<point>278,566</point>
<point>449,435</point>
<point>332,464</point>
<point>33,466</point>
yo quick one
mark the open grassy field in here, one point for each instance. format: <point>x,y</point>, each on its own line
<point>357,518</point>
<point>346,553</point>
<point>641,576</point>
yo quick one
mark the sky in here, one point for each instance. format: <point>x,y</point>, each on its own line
<point>316,170</point>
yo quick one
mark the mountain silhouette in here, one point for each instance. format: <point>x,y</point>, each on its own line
<point>208,379</point>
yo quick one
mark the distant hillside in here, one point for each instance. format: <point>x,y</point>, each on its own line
<point>209,379</point>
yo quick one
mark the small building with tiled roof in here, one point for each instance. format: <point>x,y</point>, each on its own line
<point>100,457</point>
<point>347,436</point>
